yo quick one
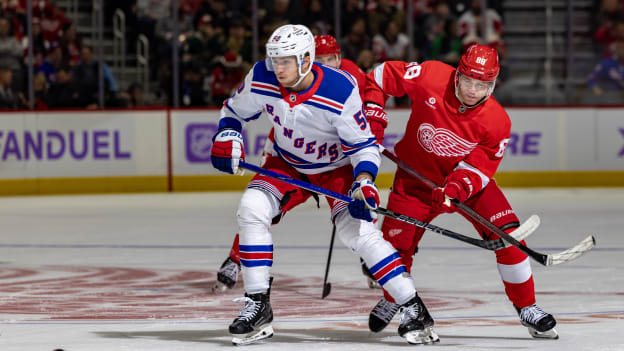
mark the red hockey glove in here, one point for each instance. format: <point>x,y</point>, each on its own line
<point>227,151</point>
<point>365,198</point>
<point>377,119</point>
<point>457,185</point>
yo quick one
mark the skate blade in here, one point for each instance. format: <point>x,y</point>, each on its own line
<point>373,284</point>
<point>549,334</point>
<point>417,337</point>
<point>245,339</point>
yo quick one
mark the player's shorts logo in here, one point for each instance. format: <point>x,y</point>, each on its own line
<point>443,142</point>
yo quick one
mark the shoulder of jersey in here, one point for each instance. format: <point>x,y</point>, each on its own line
<point>437,68</point>
<point>337,84</point>
<point>350,66</point>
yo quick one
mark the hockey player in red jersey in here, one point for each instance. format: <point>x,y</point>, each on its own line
<point>327,53</point>
<point>456,136</point>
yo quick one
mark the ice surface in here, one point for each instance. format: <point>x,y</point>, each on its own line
<point>133,272</point>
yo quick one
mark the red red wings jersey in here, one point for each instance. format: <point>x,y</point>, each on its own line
<point>353,69</point>
<point>441,135</point>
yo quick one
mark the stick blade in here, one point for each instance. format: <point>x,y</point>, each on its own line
<point>572,253</point>
<point>326,290</point>
<point>527,228</point>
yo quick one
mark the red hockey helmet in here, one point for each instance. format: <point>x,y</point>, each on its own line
<point>326,45</point>
<point>479,62</point>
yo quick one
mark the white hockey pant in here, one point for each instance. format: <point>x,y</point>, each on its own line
<point>367,241</point>
<point>255,212</point>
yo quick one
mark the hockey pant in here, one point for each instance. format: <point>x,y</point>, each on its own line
<point>261,202</point>
<point>513,265</point>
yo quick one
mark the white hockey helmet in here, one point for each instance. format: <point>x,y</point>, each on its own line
<point>291,40</point>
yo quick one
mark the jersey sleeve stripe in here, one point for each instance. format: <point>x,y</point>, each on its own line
<point>349,149</point>
<point>323,106</point>
<point>484,179</point>
<point>265,86</point>
<point>379,75</point>
<point>327,101</point>
<point>344,74</point>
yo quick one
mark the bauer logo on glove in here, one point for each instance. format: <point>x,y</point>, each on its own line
<point>227,151</point>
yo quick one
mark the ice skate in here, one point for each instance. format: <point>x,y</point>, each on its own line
<point>416,324</point>
<point>382,314</point>
<point>541,324</point>
<point>227,276</point>
<point>372,283</point>
<point>254,321</point>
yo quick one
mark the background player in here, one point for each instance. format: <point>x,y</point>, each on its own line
<point>456,136</point>
<point>328,53</point>
<point>321,136</point>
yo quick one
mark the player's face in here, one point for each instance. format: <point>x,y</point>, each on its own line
<point>329,60</point>
<point>471,91</point>
<point>286,69</point>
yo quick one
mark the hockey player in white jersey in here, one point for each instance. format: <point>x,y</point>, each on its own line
<point>322,137</point>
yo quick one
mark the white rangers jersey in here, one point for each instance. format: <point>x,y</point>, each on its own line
<point>316,130</point>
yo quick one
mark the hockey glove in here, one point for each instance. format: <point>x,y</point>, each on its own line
<point>227,151</point>
<point>365,198</point>
<point>377,119</point>
<point>457,185</point>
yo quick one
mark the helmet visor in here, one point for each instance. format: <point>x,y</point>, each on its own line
<point>478,86</point>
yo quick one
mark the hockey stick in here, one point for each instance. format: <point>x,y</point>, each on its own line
<point>545,259</point>
<point>326,285</point>
<point>486,244</point>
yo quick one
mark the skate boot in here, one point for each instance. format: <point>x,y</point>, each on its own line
<point>372,283</point>
<point>254,321</point>
<point>382,314</point>
<point>227,275</point>
<point>416,324</point>
<point>541,324</point>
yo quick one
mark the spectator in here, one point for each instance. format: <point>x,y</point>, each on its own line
<point>355,41</point>
<point>380,13</point>
<point>352,10</point>
<point>194,92</point>
<point>391,45</point>
<point>53,60</point>
<point>164,31</point>
<point>71,43</point>
<point>226,77</point>
<point>86,74</point>
<point>11,53</point>
<point>8,99</point>
<point>64,93</point>
<point>318,17</point>
<point>440,42</point>
<point>135,96</point>
<point>470,31</point>
<point>149,13</point>
<point>606,35</point>
<point>366,61</point>
<point>205,43</point>
<point>52,19</point>
<point>607,79</point>
<point>40,87</point>
<point>239,41</point>
<point>39,44</point>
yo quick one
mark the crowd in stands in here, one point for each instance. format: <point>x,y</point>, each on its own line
<point>215,43</point>
<point>606,81</point>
